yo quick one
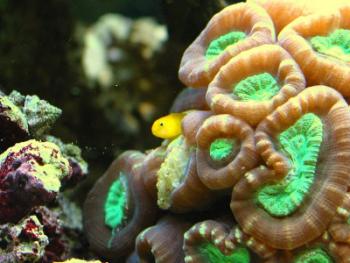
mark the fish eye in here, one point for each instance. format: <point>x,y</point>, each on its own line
<point>161,124</point>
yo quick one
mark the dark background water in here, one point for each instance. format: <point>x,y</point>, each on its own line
<point>41,49</point>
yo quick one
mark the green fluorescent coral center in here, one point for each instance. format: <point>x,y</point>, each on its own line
<point>221,148</point>
<point>219,44</point>
<point>301,144</point>
<point>260,87</point>
<point>317,255</point>
<point>336,44</point>
<point>116,202</point>
<point>213,255</point>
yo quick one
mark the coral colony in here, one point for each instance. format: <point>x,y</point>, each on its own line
<point>260,170</point>
<point>33,170</point>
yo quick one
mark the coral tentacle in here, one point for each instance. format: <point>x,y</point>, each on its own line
<point>196,70</point>
<point>320,202</point>
<point>117,241</point>
<point>317,44</point>
<point>267,71</point>
<point>162,242</point>
<point>225,151</point>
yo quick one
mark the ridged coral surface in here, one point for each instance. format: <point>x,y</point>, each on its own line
<point>260,171</point>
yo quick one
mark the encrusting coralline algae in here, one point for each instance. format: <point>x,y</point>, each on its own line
<point>34,168</point>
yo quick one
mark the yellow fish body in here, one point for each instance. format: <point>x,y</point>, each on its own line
<point>169,126</point>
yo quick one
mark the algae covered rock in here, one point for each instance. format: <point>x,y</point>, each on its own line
<point>39,114</point>
<point>76,260</point>
<point>23,117</point>
<point>75,159</point>
<point>24,242</point>
<point>30,175</point>
<point>14,126</point>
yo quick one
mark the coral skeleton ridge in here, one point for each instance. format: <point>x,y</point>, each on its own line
<point>258,169</point>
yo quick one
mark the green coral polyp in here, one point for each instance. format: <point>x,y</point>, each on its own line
<point>259,87</point>
<point>116,202</point>
<point>316,255</point>
<point>213,255</point>
<point>336,44</point>
<point>301,144</point>
<point>221,148</point>
<point>218,45</point>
